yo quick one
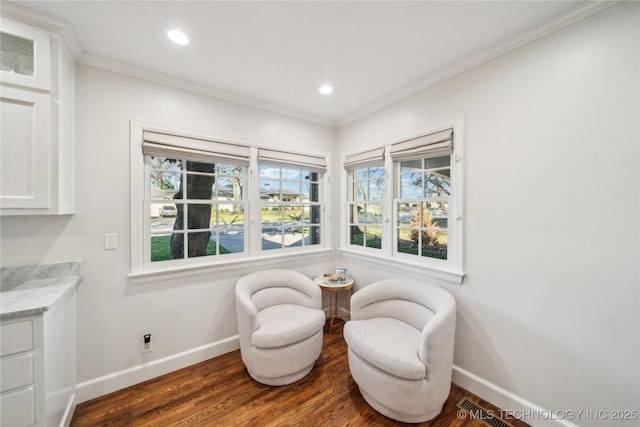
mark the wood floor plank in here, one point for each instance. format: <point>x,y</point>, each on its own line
<point>220,392</point>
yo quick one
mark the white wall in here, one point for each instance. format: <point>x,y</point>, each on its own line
<point>191,319</point>
<point>549,311</point>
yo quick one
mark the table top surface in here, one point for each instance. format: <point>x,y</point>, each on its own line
<point>333,284</point>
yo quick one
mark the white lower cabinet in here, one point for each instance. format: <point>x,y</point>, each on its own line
<point>17,373</point>
<point>37,367</point>
<point>18,407</point>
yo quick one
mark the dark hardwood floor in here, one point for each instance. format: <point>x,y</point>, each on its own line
<point>219,392</point>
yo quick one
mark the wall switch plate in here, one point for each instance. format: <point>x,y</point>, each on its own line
<point>111,241</point>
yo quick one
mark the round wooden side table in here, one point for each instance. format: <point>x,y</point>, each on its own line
<point>333,287</point>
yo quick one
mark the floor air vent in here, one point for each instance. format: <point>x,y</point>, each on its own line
<point>479,413</point>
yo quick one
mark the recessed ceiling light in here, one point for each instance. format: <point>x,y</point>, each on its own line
<point>178,37</point>
<point>325,90</point>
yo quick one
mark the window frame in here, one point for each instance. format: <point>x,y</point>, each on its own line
<point>143,270</point>
<point>448,271</point>
<point>283,204</point>
<point>397,173</point>
<point>186,202</point>
<point>353,201</point>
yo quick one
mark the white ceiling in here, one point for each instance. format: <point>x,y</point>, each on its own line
<point>275,54</point>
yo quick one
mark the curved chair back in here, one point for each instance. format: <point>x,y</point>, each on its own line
<point>261,289</point>
<point>409,301</point>
<point>279,286</point>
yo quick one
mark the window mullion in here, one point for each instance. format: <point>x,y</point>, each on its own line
<point>255,209</point>
<point>185,226</point>
<point>389,219</point>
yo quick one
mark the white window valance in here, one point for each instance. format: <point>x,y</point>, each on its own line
<point>306,161</point>
<point>432,145</point>
<point>369,158</point>
<point>193,149</point>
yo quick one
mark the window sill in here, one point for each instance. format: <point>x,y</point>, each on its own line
<point>171,273</point>
<point>448,276</point>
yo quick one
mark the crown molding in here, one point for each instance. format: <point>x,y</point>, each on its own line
<point>146,74</point>
<point>544,29</point>
<point>41,20</point>
<point>32,17</point>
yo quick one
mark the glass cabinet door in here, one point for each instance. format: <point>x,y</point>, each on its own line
<point>25,55</point>
<point>16,54</point>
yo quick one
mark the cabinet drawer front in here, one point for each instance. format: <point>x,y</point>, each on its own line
<point>18,409</point>
<point>16,371</point>
<point>16,337</point>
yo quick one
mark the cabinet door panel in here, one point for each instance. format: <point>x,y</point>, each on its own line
<point>24,149</point>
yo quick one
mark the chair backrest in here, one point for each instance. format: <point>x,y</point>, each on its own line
<point>279,286</point>
<point>412,302</point>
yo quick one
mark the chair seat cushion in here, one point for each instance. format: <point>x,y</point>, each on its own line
<point>286,324</point>
<point>388,344</point>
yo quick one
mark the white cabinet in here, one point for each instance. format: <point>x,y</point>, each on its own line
<point>25,146</point>
<point>17,368</point>
<point>37,366</point>
<point>26,55</point>
<point>36,137</point>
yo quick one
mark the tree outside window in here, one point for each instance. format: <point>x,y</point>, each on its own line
<point>365,206</point>
<point>196,209</point>
<point>423,207</point>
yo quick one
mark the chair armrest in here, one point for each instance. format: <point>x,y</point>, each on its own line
<point>247,315</point>
<point>437,337</point>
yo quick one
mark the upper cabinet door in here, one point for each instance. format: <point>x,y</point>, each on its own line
<point>25,151</point>
<point>25,55</point>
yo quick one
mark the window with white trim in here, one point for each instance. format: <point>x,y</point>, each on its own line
<point>422,203</point>
<point>194,200</point>
<point>417,221</point>
<point>290,195</point>
<point>195,209</point>
<point>366,188</point>
<point>422,206</point>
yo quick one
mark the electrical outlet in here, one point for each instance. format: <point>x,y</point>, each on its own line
<point>146,343</point>
<point>111,241</point>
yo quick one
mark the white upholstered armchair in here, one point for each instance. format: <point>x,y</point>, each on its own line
<point>400,340</point>
<point>280,323</point>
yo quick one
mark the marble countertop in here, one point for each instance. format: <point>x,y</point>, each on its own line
<point>34,289</point>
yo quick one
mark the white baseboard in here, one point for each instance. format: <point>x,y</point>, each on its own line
<point>513,405</point>
<point>109,383</point>
<point>68,411</point>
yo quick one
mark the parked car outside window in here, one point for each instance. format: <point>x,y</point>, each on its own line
<point>168,210</point>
